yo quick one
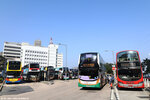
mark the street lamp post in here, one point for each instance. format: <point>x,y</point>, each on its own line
<point>65,45</point>
<point>115,79</point>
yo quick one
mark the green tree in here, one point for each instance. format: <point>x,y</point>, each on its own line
<point>2,63</point>
<point>108,67</point>
<point>146,62</point>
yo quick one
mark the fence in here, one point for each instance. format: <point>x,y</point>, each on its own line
<point>146,83</point>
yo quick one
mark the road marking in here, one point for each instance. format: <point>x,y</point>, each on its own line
<point>114,91</point>
<point>112,94</point>
<point>117,94</point>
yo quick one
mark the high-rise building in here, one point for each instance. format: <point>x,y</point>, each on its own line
<point>1,53</point>
<point>60,60</point>
<point>12,50</point>
<point>37,43</point>
<point>52,54</point>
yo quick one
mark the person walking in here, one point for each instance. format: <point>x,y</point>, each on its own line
<point>109,78</point>
<point>111,82</point>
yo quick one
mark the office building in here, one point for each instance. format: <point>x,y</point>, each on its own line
<point>59,60</point>
<point>26,53</point>
<point>52,54</point>
<point>1,53</point>
<point>37,43</point>
<point>34,54</point>
<point>12,50</point>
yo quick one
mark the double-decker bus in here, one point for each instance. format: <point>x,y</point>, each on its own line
<point>13,72</point>
<point>129,69</point>
<point>63,73</point>
<point>47,73</point>
<point>91,70</point>
<point>50,73</point>
<point>31,72</point>
<point>73,73</point>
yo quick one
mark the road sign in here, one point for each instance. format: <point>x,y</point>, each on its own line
<point>113,68</point>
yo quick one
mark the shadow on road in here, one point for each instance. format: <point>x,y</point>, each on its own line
<point>14,90</point>
<point>23,82</point>
<point>14,83</point>
<point>88,88</point>
<point>143,97</point>
<point>130,89</point>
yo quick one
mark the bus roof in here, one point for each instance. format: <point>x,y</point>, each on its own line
<point>127,50</point>
<point>89,53</point>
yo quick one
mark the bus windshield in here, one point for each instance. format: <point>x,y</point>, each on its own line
<point>129,75</point>
<point>34,65</point>
<point>88,60</point>
<point>65,69</point>
<point>128,65</point>
<point>13,74</point>
<point>127,56</point>
<point>88,65</point>
<point>14,65</point>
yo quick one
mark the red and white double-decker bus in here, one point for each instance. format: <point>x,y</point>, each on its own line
<point>129,69</point>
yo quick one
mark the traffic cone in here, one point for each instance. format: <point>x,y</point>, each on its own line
<point>111,85</point>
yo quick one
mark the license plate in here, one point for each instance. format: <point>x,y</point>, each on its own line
<point>130,86</point>
<point>13,80</point>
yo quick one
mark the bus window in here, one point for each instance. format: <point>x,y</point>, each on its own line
<point>129,75</point>
<point>88,58</point>
<point>14,65</point>
<point>34,65</point>
<point>127,56</point>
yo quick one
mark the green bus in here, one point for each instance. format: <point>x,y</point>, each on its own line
<point>91,70</point>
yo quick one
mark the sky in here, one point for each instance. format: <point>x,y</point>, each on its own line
<point>84,25</point>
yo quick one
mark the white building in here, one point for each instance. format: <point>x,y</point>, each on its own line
<point>59,60</point>
<point>52,55</point>
<point>45,56</point>
<point>12,50</point>
<point>34,54</point>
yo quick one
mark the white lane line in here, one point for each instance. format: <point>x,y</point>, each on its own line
<point>112,94</point>
<point>117,94</point>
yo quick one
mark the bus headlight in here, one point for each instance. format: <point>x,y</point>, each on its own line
<point>140,83</point>
<point>120,83</point>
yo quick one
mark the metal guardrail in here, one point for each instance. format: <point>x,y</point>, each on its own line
<point>147,84</point>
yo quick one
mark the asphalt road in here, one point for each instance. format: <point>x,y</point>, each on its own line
<point>133,94</point>
<point>60,90</point>
<point>64,90</point>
